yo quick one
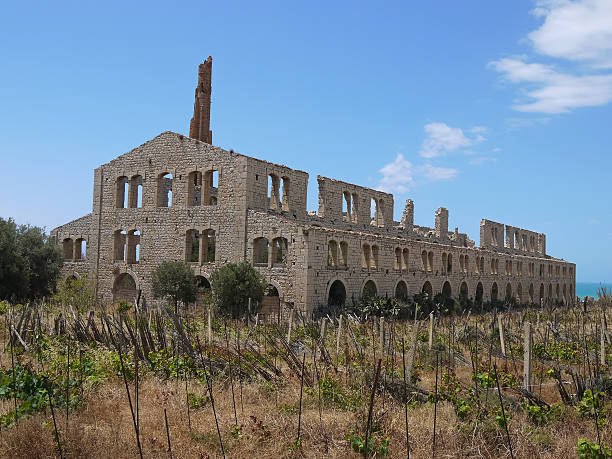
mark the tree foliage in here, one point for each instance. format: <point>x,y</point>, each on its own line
<point>175,281</point>
<point>29,262</point>
<point>234,284</point>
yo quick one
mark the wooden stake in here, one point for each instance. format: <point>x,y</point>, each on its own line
<point>502,341</point>
<point>369,423</point>
<point>431,327</point>
<point>527,357</point>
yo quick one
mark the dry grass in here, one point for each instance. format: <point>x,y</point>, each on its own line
<point>103,428</point>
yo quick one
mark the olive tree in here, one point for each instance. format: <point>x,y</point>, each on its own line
<point>175,281</point>
<point>234,284</point>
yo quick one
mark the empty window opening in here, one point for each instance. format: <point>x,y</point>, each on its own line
<point>430,262</point>
<point>337,294</point>
<point>273,192</point>
<point>260,251</point>
<point>133,246</point>
<point>424,260</point>
<point>80,249</point>
<point>210,188</point>
<point>519,293</point>
<point>194,189</point>
<point>332,254</point>
<point>354,207</point>
<point>460,263</point>
<point>346,207</point>
<point>135,192</point>
<point>373,212</point>
<point>374,260</point>
<point>192,246</point>
<point>449,263</point>
<point>444,256</point>
<point>531,297</point>
<point>164,190</point>
<point>477,265</point>
<point>343,254</point>
<point>466,264</point>
<point>365,256</point>
<point>284,197</point>
<point>482,265</point>
<point>405,259</point>
<point>208,246</point>
<point>120,245</point>
<point>398,258</point>
<point>279,251</point>
<point>68,249</point>
<point>122,192</point>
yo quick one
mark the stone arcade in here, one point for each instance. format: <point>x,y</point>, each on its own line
<point>181,198</point>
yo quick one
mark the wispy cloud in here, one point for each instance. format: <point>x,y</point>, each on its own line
<point>442,139</point>
<point>572,32</point>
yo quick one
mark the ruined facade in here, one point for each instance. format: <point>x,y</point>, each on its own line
<point>181,198</point>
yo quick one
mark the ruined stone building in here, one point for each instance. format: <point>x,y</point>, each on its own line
<point>182,198</point>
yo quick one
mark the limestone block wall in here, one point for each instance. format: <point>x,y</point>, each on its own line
<point>70,236</point>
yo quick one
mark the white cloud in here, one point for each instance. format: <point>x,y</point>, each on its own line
<point>552,91</point>
<point>479,129</point>
<point>575,30</point>
<point>397,176</point>
<point>481,160</point>
<point>401,175</point>
<point>442,139</point>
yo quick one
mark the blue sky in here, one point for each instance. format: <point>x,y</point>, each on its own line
<point>497,110</point>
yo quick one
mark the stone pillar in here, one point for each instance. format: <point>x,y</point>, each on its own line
<point>442,223</point>
<point>407,221</point>
<point>199,127</point>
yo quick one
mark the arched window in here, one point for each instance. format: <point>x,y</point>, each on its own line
<point>210,188</point>
<point>164,190</point>
<point>274,192</point>
<point>398,259</point>
<point>208,245</point>
<point>444,256</point>
<point>194,189</point>
<point>374,212</point>
<point>466,264</point>
<point>260,251</point>
<point>531,293</point>
<point>133,246</point>
<point>355,207</point>
<point>337,294</point>
<point>68,249</point>
<point>424,260</point>
<point>366,254</point>
<point>541,292</point>
<point>135,200</point>
<point>343,262</point>
<point>550,291</point>
<point>332,254</point>
<point>430,262</point>
<point>369,289</point>
<point>557,292</point>
<point>401,291</point>
<point>122,187</point>
<point>279,251</point>
<point>374,259</point>
<point>120,245</point>
<point>482,265</point>
<point>405,259</point>
<point>346,207</point>
<point>449,263</point>
<point>192,246</point>
<point>477,265</point>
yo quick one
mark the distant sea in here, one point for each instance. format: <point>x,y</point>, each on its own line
<point>590,288</point>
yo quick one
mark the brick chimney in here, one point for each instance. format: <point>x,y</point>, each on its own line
<point>199,127</point>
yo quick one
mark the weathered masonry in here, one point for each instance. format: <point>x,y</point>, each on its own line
<point>181,198</point>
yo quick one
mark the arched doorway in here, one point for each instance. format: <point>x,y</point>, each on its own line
<point>508,291</point>
<point>541,292</point>
<point>447,291</point>
<point>401,291</point>
<point>124,288</point>
<point>428,289</point>
<point>494,292</point>
<point>519,293</point>
<point>203,290</point>
<point>369,289</point>
<point>531,293</point>
<point>337,294</point>
<point>463,290</point>
<point>479,293</point>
